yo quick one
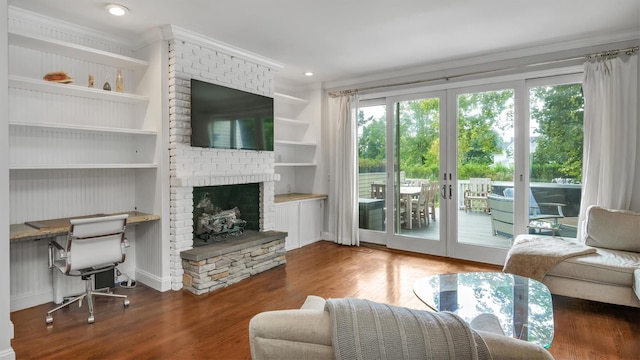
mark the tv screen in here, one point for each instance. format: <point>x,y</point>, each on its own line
<point>227,118</point>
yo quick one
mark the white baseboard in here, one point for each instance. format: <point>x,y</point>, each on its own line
<point>7,354</point>
<point>30,300</point>
<point>153,281</point>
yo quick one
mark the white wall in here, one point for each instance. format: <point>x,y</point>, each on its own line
<point>6,327</point>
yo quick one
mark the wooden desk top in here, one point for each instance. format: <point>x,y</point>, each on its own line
<point>56,227</point>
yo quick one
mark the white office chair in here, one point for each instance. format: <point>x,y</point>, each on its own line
<point>94,245</point>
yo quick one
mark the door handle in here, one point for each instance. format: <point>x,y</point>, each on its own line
<point>450,192</point>
<point>443,194</point>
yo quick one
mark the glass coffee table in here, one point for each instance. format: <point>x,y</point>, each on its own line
<point>523,306</point>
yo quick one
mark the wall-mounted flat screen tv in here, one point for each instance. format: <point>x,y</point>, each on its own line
<point>226,118</point>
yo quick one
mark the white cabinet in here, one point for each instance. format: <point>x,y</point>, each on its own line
<point>295,145</point>
<point>311,220</point>
<point>287,219</point>
<point>302,219</point>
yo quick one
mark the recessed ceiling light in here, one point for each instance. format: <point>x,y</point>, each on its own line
<point>308,73</point>
<point>116,9</point>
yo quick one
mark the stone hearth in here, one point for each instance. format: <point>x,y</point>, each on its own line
<point>212,267</point>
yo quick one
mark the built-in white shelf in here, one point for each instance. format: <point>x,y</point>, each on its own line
<point>294,143</point>
<point>82,166</point>
<point>88,128</point>
<point>292,122</point>
<point>20,82</point>
<point>291,99</point>
<point>295,164</point>
<point>75,51</point>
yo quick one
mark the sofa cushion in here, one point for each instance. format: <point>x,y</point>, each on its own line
<point>613,229</point>
<point>605,267</point>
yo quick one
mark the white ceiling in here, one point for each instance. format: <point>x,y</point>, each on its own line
<point>342,39</point>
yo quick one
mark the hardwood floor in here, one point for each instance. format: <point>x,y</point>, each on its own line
<point>180,325</point>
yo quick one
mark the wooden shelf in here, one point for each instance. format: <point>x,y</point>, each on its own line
<point>20,82</point>
<point>75,51</point>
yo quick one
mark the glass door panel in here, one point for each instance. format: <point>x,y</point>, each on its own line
<point>372,169</point>
<point>555,175</point>
<point>485,165</point>
<point>417,164</point>
<point>419,214</point>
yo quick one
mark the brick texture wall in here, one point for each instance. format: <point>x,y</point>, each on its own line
<point>190,167</point>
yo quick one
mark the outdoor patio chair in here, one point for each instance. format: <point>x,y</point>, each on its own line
<point>535,208</point>
<point>433,194</point>
<point>378,191</point>
<point>420,206</point>
<point>476,194</point>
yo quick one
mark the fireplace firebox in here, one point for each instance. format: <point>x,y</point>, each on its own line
<point>221,213</point>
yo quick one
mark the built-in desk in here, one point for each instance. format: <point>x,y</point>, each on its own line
<point>56,227</point>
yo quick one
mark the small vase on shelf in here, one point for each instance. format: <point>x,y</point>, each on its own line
<point>119,84</point>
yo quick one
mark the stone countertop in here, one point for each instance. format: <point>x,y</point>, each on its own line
<point>297,197</point>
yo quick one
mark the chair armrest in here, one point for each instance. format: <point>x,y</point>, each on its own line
<point>56,249</point>
<point>291,334</point>
<point>557,205</point>
<point>505,347</point>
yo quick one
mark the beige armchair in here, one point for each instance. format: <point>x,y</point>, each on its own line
<point>306,333</point>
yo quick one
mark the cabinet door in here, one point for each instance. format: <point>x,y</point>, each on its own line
<point>312,216</point>
<point>287,219</point>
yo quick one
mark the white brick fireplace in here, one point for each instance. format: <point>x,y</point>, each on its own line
<point>192,56</point>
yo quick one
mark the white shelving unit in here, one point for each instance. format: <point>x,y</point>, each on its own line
<point>76,51</point>
<point>69,126</point>
<point>79,150</point>
<point>295,147</point>
<point>38,85</point>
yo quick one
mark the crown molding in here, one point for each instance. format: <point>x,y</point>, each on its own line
<point>533,53</point>
<point>70,28</point>
<point>172,32</point>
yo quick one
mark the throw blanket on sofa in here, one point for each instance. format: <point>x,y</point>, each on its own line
<point>533,257</point>
<point>366,330</point>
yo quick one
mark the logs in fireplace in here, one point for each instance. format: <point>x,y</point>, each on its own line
<point>215,224</point>
<point>220,225</point>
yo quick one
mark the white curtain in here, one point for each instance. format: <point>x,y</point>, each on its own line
<point>343,194</point>
<point>610,89</point>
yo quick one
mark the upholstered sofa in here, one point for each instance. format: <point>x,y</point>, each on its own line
<point>306,333</point>
<point>612,273</point>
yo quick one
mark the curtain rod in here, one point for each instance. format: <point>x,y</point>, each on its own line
<point>609,53</point>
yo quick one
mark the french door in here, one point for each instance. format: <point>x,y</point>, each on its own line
<point>448,141</point>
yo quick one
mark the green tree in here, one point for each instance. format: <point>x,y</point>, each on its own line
<point>559,111</point>
<point>371,143</point>
<point>419,130</point>
<point>480,117</point>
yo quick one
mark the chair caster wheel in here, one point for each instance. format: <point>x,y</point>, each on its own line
<point>126,302</point>
<point>49,319</point>
<point>91,319</point>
